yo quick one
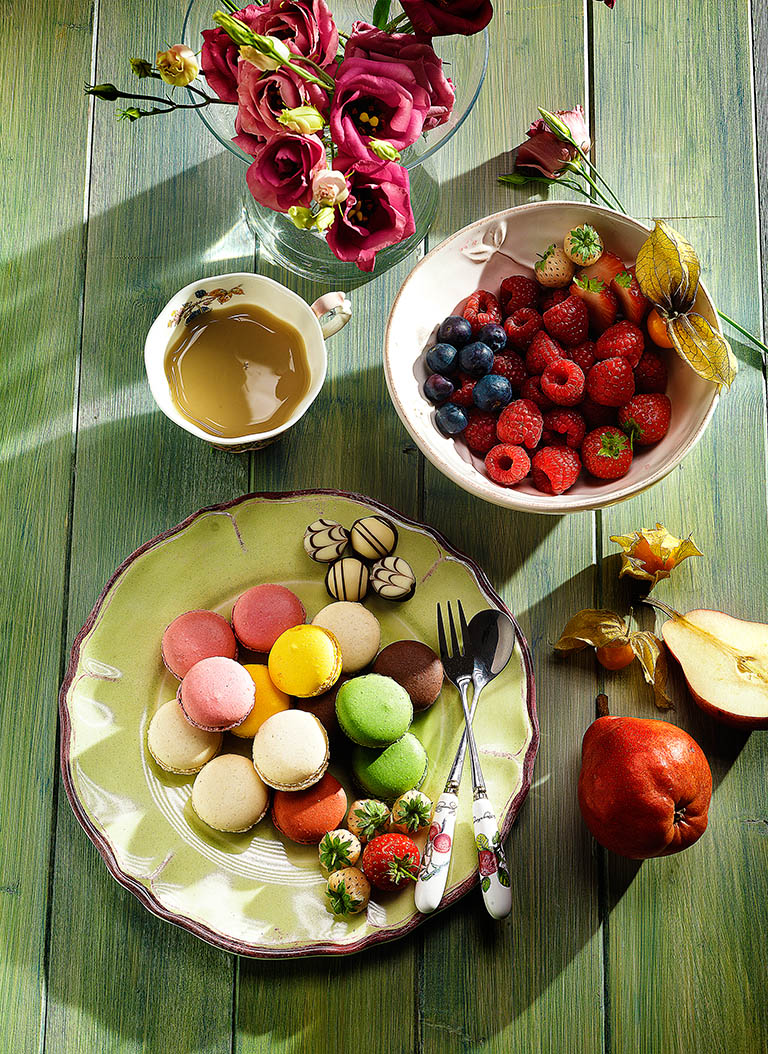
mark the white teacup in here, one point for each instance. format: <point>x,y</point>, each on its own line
<point>315,323</point>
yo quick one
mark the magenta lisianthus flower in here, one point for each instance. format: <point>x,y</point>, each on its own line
<point>281,173</point>
<point>251,144</point>
<point>218,59</point>
<point>376,100</point>
<point>377,213</point>
<point>367,42</point>
<point>306,26</point>
<point>547,154</point>
<point>262,97</point>
<point>438,18</point>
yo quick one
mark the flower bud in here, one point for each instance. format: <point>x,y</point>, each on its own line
<point>103,91</point>
<point>141,68</point>
<point>325,218</point>
<point>132,114</point>
<point>384,149</point>
<point>178,65</point>
<point>329,187</point>
<point>306,120</point>
<point>307,220</point>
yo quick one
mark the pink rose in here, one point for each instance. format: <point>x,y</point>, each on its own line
<point>376,100</point>
<point>438,18</point>
<point>281,173</point>
<point>262,97</point>
<point>543,151</point>
<point>329,187</point>
<point>306,26</point>
<point>376,214</point>
<point>218,59</point>
<point>486,862</point>
<point>367,42</point>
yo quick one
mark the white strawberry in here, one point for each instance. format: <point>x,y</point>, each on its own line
<point>411,812</point>
<point>338,849</point>
<point>583,245</point>
<point>367,818</point>
<point>348,891</point>
<point>554,270</point>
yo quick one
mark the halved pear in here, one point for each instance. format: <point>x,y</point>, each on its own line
<point>725,662</point>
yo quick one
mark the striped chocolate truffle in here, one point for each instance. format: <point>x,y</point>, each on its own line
<point>347,579</point>
<point>325,541</point>
<point>373,537</point>
<point>393,579</point>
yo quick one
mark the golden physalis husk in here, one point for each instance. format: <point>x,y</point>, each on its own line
<point>650,555</point>
<point>668,271</point>
<point>649,652</point>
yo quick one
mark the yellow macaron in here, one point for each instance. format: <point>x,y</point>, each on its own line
<point>269,700</point>
<point>305,661</point>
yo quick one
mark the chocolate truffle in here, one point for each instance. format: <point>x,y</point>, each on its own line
<point>393,579</point>
<point>414,666</point>
<point>373,537</point>
<point>347,579</point>
<point>325,541</point>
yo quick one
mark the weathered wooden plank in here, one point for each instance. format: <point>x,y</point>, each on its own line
<point>535,981</point>
<point>164,210</point>
<point>41,201</point>
<point>686,935</point>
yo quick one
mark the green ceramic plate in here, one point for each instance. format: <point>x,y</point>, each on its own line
<point>256,894</point>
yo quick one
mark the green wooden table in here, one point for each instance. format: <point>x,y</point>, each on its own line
<point>100,223</point>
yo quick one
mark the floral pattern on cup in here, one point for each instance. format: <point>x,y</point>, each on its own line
<point>201,302</point>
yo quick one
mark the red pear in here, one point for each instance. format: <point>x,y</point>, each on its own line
<point>644,786</point>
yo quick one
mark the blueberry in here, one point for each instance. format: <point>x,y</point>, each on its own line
<point>438,388</point>
<point>494,336</point>
<point>492,392</point>
<point>451,419</point>
<point>455,330</point>
<point>442,358</point>
<point>476,359</point>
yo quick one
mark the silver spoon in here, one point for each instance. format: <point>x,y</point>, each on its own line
<point>492,638</point>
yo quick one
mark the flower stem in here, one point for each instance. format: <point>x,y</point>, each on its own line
<point>744,332</point>
<point>326,81</point>
<point>610,190</point>
<point>586,176</point>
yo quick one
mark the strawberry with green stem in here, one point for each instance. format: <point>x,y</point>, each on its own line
<point>411,812</point>
<point>338,849</point>
<point>348,891</point>
<point>367,818</point>
<point>390,861</point>
<point>583,245</point>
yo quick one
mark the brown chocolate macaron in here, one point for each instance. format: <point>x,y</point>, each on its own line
<point>324,708</point>
<point>414,666</point>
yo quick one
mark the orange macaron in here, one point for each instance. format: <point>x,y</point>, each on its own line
<point>305,816</point>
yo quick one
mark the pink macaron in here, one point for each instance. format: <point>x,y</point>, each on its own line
<point>262,613</point>
<point>217,694</point>
<point>193,636</point>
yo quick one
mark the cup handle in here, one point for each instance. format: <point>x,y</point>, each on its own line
<point>333,312</point>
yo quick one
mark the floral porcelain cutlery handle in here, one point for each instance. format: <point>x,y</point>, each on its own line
<point>433,872</point>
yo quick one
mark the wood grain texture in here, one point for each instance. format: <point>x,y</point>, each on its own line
<point>686,938</point>
<point>41,201</point>
<point>484,985</point>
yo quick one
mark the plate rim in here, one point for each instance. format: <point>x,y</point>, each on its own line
<point>199,929</point>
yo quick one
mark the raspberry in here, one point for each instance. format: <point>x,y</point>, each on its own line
<point>611,382</point>
<point>563,382</point>
<point>464,388</point>
<point>511,366</point>
<point>623,340</point>
<point>595,414</point>
<point>563,426</point>
<point>607,453</point>
<point>507,464</point>
<point>651,373</point>
<point>520,422</point>
<point>555,469</point>
<point>568,321</point>
<point>532,390</point>
<point>552,297</point>
<point>542,351</point>
<point>583,355</point>
<point>480,433</point>
<point>518,291</point>
<point>481,309</point>
<point>521,327</point>
<point>645,418</point>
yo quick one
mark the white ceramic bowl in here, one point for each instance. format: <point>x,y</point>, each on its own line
<point>479,257</point>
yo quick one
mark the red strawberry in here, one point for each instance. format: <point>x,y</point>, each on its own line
<point>583,355</point>
<point>623,339</point>
<point>605,269</point>
<point>568,321</point>
<point>480,433</point>
<point>521,327</point>
<point>602,305</point>
<point>511,366</point>
<point>520,422</point>
<point>634,305</point>
<point>390,861</point>
<point>651,373</point>
<point>464,387</point>
<point>518,291</point>
<point>645,418</point>
<point>542,351</point>
<point>595,414</point>
<point>606,453</point>
<point>507,464</point>
<point>611,382</point>
<point>554,469</point>
<point>563,382</point>
<point>563,426</point>
<point>532,390</point>
<point>550,297</point>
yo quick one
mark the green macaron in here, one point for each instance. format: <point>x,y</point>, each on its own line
<point>373,710</point>
<point>391,772</point>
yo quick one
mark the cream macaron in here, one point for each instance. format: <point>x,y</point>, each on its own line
<point>176,745</point>
<point>355,628</point>
<point>228,794</point>
<point>290,750</point>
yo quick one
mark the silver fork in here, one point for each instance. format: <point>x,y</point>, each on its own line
<point>459,667</point>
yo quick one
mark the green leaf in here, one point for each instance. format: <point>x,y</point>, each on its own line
<point>503,877</point>
<point>381,14</point>
<point>485,885</point>
<point>482,842</point>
